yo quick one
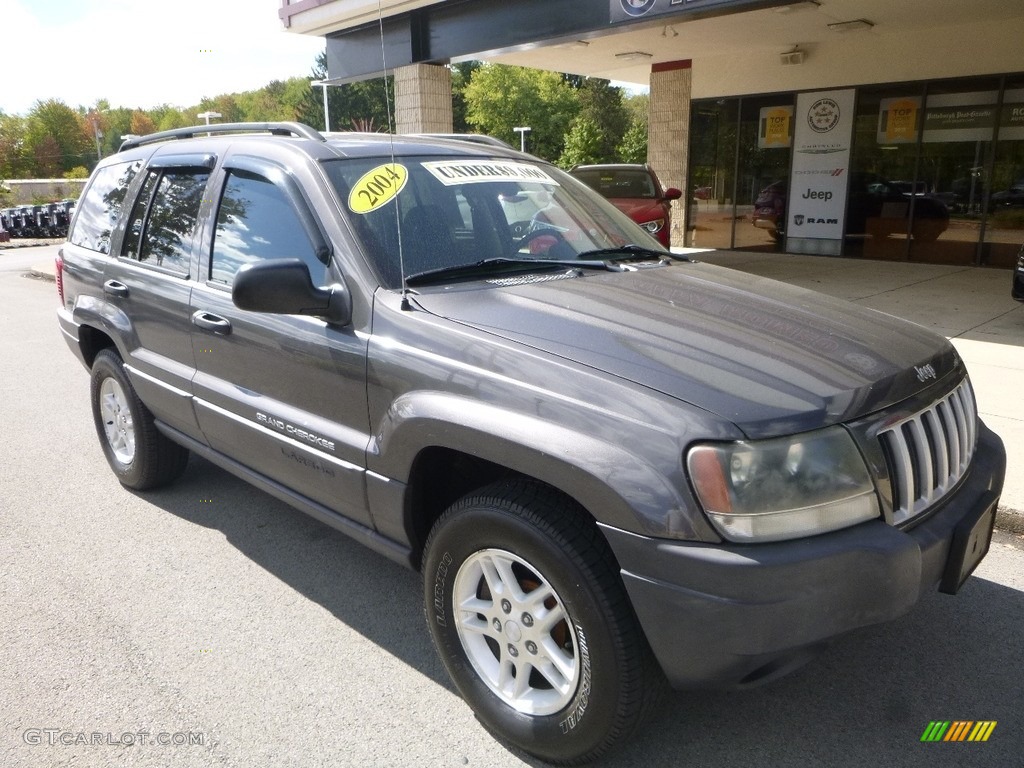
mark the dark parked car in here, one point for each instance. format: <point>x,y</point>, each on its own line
<point>636,190</point>
<point>874,207</point>
<point>1008,198</point>
<point>613,466</point>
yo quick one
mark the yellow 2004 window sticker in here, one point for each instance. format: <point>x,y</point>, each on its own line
<point>377,187</point>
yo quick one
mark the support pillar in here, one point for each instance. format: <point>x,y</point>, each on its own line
<point>423,99</point>
<point>668,135</point>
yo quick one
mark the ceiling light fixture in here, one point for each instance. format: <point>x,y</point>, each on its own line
<point>850,26</point>
<point>803,5</point>
<point>634,55</point>
<point>795,56</point>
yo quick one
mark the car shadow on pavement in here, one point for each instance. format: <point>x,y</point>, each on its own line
<point>866,700</point>
<point>369,593</point>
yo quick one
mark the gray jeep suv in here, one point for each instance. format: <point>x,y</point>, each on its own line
<point>614,466</point>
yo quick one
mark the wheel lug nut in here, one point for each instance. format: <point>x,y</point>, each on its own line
<point>527,620</point>
<point>497,625</point>
<point>512,651</point>
<point>506,606</point>
<point>531,646</point>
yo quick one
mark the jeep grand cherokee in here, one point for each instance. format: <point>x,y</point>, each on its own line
<point>613,466</point>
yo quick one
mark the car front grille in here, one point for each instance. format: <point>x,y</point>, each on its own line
<point>930,451</point>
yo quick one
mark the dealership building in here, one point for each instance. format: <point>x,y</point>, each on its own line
<point>886,129</point>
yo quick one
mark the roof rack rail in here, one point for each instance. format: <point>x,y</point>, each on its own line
<point>300,130</point>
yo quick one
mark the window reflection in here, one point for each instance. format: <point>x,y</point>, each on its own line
<point>256,221</point>
<point>101,207</point>
<point>163,220</point>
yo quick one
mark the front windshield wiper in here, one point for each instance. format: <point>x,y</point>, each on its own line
<point>631,250</point>
<point>501,262</point>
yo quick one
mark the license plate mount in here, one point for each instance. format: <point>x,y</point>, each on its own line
<point>971,539</point>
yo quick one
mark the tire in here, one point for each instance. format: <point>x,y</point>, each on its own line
<point>928,231</point>
<point>140,456</point>
<point>562,623</point>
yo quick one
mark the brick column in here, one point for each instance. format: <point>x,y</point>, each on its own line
<point>668,135</point>
<point>423,99</point>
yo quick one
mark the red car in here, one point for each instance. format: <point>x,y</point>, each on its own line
<point>636,191</point>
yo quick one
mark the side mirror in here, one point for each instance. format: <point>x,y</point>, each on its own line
<point>284,287</point>
<point>672,194</point>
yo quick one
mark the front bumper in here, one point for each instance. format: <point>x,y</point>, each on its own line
<point>726,614</point>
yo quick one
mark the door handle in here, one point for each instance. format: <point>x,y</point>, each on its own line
<point>211,322</point>
<point>115,288</point>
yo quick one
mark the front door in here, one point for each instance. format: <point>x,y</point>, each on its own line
<point>284,395</point>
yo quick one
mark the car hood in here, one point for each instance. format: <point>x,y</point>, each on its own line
<point>771,358</point>
<point>638,209</point>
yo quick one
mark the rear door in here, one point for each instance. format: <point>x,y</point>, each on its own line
<point>285,395</point>
<point>150,281</point>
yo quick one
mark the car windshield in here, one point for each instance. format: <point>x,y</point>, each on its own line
<point>625,183</point>
<point>443,212</point>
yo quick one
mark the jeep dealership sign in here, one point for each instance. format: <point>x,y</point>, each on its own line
<point>816,203</point>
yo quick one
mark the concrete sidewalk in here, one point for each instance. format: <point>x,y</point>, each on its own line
<point>969,305</point>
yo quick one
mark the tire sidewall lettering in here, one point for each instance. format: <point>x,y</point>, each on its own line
<point>440,580</point>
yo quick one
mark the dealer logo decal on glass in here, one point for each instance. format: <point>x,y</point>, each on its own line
<point>823,115</point>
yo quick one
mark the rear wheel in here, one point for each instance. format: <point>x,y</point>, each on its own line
<point>928,230</point>
<point>530,617</point>
<point>140,456</point>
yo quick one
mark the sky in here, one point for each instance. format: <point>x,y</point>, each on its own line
<point>144,53</point>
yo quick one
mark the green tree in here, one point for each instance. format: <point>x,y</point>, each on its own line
<point>167,117</point>
<point>57,138</point>
<point>226,104</point>
<point>584,143</point>
<point>602,103</point>
<point>633,147</point>
<point>15,161</point>
<point>500,97</point>
<point>366,102</point>
<point>462,74</point>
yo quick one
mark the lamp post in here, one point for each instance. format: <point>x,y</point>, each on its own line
<point>207,115</point>
<point>521,130</point>
<point>327,118</point>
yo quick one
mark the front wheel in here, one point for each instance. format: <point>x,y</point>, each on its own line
<point>529,615</point>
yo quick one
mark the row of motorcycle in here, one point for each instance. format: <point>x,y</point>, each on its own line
<point>47,220</point>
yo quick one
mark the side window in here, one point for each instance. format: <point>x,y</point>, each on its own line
<point>101,206</point>
<point>164,217</point>
<point>256,221</point>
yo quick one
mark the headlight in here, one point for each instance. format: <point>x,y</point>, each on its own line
<point>654,227</point>
<point>785,488</point>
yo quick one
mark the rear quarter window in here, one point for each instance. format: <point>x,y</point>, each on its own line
<point>101,206</point>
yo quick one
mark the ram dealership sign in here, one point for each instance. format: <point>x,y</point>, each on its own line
<point>816,204</point>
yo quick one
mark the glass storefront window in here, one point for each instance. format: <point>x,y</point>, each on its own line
<point>882,171</point>
<point>712,173</point>
<point>936,172</point>
<point>765,147</point>
<point>1004,229</point>
<point>956,141</point>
